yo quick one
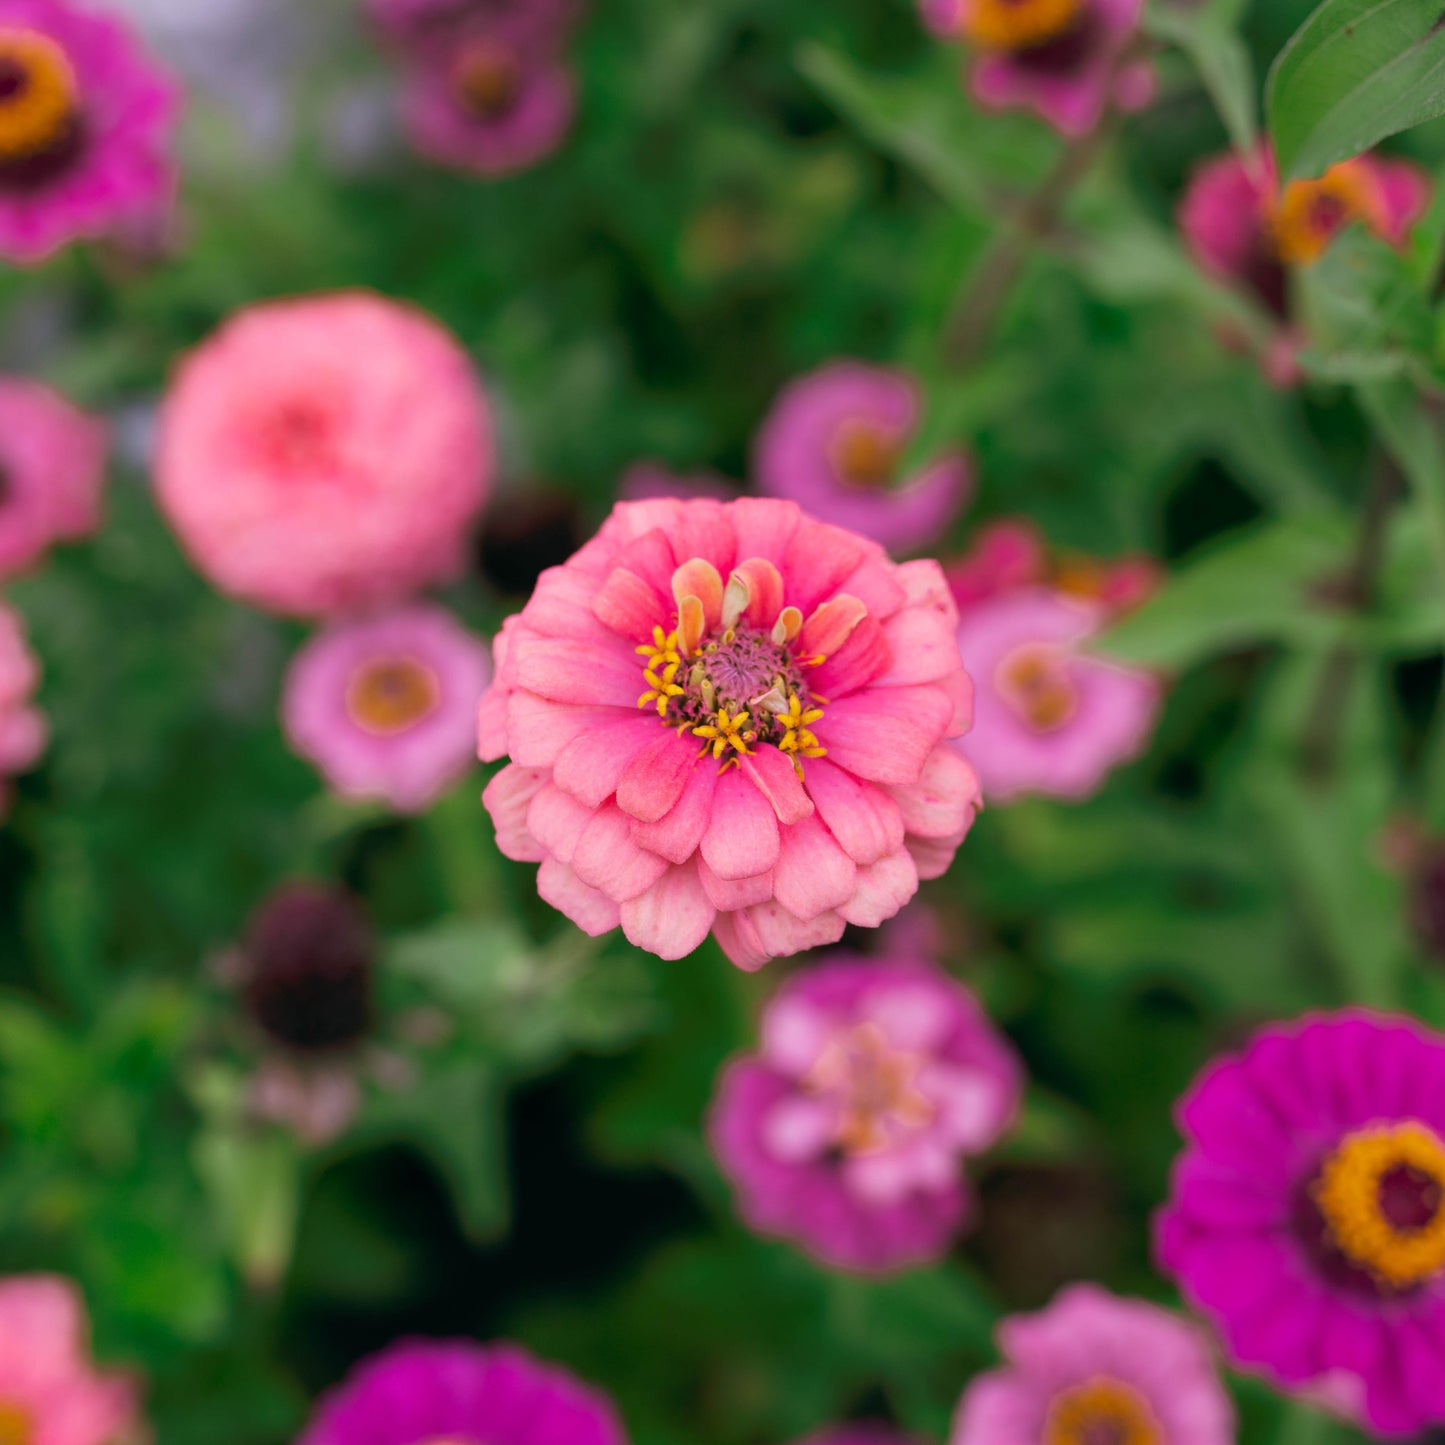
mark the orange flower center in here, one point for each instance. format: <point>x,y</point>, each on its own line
<point>865,455</point>
<point>1102,1412</point>
<point>488,79</point>
<point>391,694</point>
<point>1382,1197</point>
<point>1017,24</point>
<point>875,1086</point>
<point>1310,214</point>
<point>1034,681</point>
<point>17,1424</point>
<point>38,95</point>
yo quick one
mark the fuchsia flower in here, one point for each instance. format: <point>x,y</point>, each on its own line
<point>325,454</point>
<point>22,727</point>
<point>833,443</point>
<point>1307,1215</point>
<point>728,716</point>
<point>386,706</point>
<point>50,1393</point>
<point>1093,1369</point>
<point>85,128</point>
<point>52,469</point>
<point>425,1392</point>
<point>846,1132</point>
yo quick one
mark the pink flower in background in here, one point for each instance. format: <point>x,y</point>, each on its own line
<point>50,1392</point>
<point>1307,1214</point>
<point>86,122</point>
<point>22,727</point>
<point>52,470</point>
<point>386,706</point>
<point>846,1132</point>
<point>443,1391</point>
<point>1096,1368</point>
<point>834,442</point>
<point>730,717</point>
<point>1049,717</point>
<point>324,454</point>
<point>647,481</point>
<point>1005,555</point>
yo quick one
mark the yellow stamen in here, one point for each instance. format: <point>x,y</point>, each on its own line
<point>798,737</point>
<point>488,79</point>
<point>1012,25</point>
<point>864,454</point>
<point>391,694</point>
<point>1101,1409</point>
<point>38,94</point>
<point>729,732</point>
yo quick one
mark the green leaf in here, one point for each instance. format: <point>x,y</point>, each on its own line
<point>1355,72</point>
<point>1207,34</point>
<point>253,1178</point>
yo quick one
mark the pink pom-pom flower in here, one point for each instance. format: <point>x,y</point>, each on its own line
<point>833,443</point>
<point>1094,1367</point>
<point>324,454</point>
<point>52,470</point>
<point>730,717</point>
<point>386,706</point>
<point>422,1391</point>
<point>50,1392</point>
<point>848,1129</point>
<point>85,128</point>
<point>22,728</point>
<point>1307,1213</point>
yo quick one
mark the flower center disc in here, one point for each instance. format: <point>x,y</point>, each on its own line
<point>1310,214</point>
<point>874,1086</point>
<point>487,80</point>
<point>1382,1197</point>
<point>391,694</point>
<point>17,1425</point>
<point>1101,1412</point>
<point>38,95</point>
<point>865,455</point>
<point>1011,25</point>
<point>1033,679</point>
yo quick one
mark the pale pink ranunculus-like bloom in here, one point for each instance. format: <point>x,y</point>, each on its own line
<point>23,732</point>
<point>386,706</point>
<point>1050,718</point>
<point>1095,1367</point>
<point>50,1392</point>
<point>52,470</point>
<point>324,454</point>
<point>834,443</point>
<point>846,1132</point>
<point>730,717</point>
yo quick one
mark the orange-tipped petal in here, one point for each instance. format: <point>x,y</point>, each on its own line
<point>691,625</point>
<point>700,579</point>
<point>831,625</point>
<point>761,592</point>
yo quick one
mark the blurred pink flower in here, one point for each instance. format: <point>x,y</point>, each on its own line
<point>846,1132</point>
<point>833,443</point>
<point>85,128</point>
<point>50,1393</point>
<point>386,706</point>
<point>674,766</point>
<point>22,727</point>
<point>1094,1367</point>
<point>52,470</point>
<point>1005,555</point>
<point>327,453</point>
<point>1050,718</point>
<point>648,480</point>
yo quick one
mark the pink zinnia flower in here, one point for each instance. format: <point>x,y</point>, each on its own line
<point>1005,556</point>
<point>22,728</point>
<point>1096,1368</point>
<point>85,128</point>
<point>386,706</point>
<point>1049,717</point>
<point>322,454</point>
<point>848,1129</point>
<point>52,469</point>
<point>729,716</point>
<point>833,443</point>
<point>438,1391</point>
<point>1307,1216</point>
<point>50,1392</point>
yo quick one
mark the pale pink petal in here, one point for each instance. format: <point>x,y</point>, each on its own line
<point>676,836</point>
<point>866,822</point>
<point>885,736</point>
<point>507,798</point>
<point>630,607</point>
<point>727,894</point>
<point>783,934</point>
<point>570,672</point>
<point>671,918</point>
<point>881,890</point>
<point>592,911</point>
<point>945,797</point>
<point>592,764</point>
<point>813,874</point>
<point>608,859</point>
<point>739,939</point>
<point>798,1129</point>
<point>742,838</point>
<point>655,778</point>
<point>777,779</point>
<point>557,821</point>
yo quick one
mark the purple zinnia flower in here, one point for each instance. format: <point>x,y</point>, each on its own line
<point>425,1392</point>
<point>1095,1368</point>
<point>85,128</point>
<point>847,1130</point>
<point>833,443</point>
<point>386,706</point>
<point>1307,1216</point>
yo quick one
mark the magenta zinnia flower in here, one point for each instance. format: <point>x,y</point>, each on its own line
<point>50,1392</point>
<point>1307,1214</point>
<point>386,706</point>
<point>52,469</point>
<point>323,454</point>
<point>834,442</point>
<point>85,128</point>
<point>1096,1368</point>
<point>22,728</point>
<point>729,716</point>
<point>847,1130</point>
<point>422,1391</point>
